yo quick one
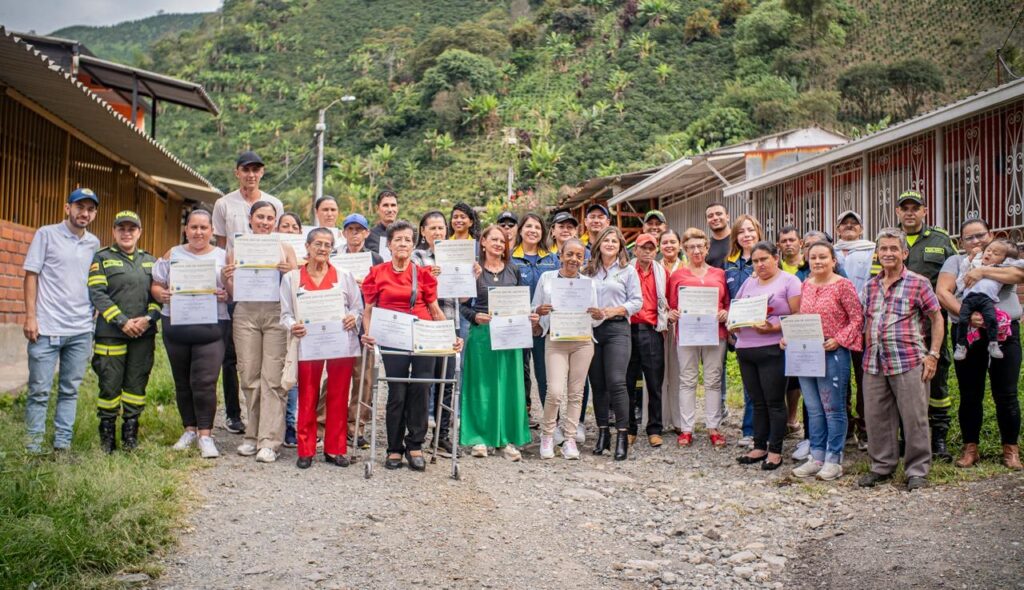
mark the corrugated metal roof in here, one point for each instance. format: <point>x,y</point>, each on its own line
<point>153,85</point>
<point>36,77</point>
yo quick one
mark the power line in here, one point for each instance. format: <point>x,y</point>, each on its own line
<point>291,172</point>
<point>984,71</point>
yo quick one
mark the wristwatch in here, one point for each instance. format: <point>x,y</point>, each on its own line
<point>934,354</point>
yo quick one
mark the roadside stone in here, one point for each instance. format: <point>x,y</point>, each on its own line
<point>583,494</point>
<point>132,580</point>
<point>775,561</point>
<point>742,557</point>
<point>744,572</point>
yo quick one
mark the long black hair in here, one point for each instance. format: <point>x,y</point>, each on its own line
<point>421,242</point>
<point>474,226</point>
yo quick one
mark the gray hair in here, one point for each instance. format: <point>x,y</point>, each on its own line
<point>319,231</point>
<point>893,232</point>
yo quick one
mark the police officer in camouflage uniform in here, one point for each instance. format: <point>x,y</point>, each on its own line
<point>119,281</point>
<point>929,248</point>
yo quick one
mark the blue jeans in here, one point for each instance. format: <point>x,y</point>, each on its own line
<point>43,354</point>
<point>291,409</point>
<point>825,401</point>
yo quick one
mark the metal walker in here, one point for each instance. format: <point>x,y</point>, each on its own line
<point>380,377</point>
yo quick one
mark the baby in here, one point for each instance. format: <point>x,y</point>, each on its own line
<point>982,296</point>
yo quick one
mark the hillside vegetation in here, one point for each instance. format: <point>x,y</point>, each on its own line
<point>450,94</point>
<point>129,42</point>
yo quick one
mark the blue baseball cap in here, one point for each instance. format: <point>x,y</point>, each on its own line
<point>81,194</point>
<point>356,218</point>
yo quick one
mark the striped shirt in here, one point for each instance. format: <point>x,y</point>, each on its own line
<point>895,320</point>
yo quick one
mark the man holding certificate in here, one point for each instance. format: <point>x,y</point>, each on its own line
<point>253,277</point>
<point>320,308</point>
<point>699,302</point>
<point>570,345</point>
<point>494,402</point>
<point>755,317</point>
<point>188,282</point>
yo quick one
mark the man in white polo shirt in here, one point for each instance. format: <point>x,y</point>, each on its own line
<point>59,318</point>
<point>230,217</point>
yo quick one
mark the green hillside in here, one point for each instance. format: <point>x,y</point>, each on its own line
<point>451,93</point>
<point>129,42</point>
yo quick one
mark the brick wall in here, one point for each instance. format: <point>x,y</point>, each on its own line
<point>14,242</point>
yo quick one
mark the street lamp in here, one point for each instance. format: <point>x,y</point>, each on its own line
<point>321,130</point>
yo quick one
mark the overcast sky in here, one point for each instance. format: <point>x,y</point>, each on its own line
<point>46,16</point>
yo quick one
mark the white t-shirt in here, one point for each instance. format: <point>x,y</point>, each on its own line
<point>62,259</point>
<point>231,214</point>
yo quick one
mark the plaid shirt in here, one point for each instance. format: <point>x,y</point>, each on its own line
<point>895,321</point>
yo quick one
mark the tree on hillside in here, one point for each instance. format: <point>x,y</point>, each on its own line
<point>469,36</point>
<point>456,66</point>
<point>642,44</point>
<point>864,87</point>
<point>732,10</point>
<point>767,28</point>
<point>700,25</point>
<point>483,110</point>
<point>720,126</point>
<point>657,11</point>
<point>913,80</point>
<point>576,21</point>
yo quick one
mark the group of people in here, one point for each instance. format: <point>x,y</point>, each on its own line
<point>883,306</point>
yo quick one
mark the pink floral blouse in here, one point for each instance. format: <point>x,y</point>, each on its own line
<point>842,316</point>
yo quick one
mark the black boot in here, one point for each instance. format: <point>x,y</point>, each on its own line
<point>621,445</point>
<point>939,451</point>
<point>108,435</point>
<point>604,440</point>
<point>130,433</point>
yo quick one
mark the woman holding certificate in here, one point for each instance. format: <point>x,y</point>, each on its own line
<point>255,263</point>
<point>619,296</point>
<point>697,291</point>
<point>493,399</point>
<point>319,295</point>
<point>402,286</point>
<point>834,298</point>
<point>194,320</point>
<point>568,354</point>
<point>755,318</point>
<point>746,232</point>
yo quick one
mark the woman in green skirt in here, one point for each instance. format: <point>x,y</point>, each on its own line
<point>493,394</point>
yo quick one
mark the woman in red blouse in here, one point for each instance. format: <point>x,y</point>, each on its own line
<point>696,272</point>
<point>835,299</point>
<point>390,286</point>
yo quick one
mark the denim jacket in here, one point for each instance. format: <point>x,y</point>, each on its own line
<point>737,271</point>
<point>530,272</point>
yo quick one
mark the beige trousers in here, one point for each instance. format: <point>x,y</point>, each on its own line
<point>888,401</point>
<point>567,366</point>
<point>261,343</point>
<point>690,360</point>
<point>671,419</point>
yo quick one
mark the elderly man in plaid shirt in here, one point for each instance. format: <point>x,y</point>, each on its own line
<point>898,305</point>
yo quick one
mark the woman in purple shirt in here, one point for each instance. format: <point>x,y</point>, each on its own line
<point>762,364</point>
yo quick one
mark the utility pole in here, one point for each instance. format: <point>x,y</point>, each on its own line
<point>321,130</point>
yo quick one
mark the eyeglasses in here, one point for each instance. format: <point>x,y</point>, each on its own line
<point>975,237</point>
<point>507,225</point>
<point>693,247</point>
<point>322,245</point>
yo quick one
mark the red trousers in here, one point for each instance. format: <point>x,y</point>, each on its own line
<point>339,377</point>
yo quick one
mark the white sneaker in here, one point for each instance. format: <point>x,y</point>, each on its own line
<point>746,441</point>
<point>247,449</point>
<point>808,469</point>
<point>431,423</point>
<point>479,451</point>
<point>559,437</point>
<point>319,444</point>
<point>188,439</point>
<point>581,433</point>
<point>547,447</point>
<point>803,450</point>
<point>960,352</point>
<point>569,450</point>
<point>266,455</point>
<point>512,453</point>
<point>830,471</point>
<point>994,351</point>
<point>208,448</point>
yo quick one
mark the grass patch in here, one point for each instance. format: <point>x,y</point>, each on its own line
<point>76,521</point>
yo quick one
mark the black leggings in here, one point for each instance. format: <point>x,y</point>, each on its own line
<point>983,304</point>
<point>407,402</point>
<point>195,354</point>
<point>608,372</point>
<point>1003,374</point>
<point>763,370</point>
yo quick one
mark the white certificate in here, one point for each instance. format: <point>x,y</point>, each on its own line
<point>391,329</point>
<point>698,330</point>
<point>324,340</point>
<point>188,309</point>
<point>805,326</point>
<point>327,305</point>
<point>257,251</point>
<point>456,280</point>
<point>571,294</point>
<point>257,284</point>
<point>429,337</point>
<point>749,312</point>
<point>296,241</point>
<point>505,301</point>
<point>448,252</point>
<point>193,276</point>
<point>510,332</point>
<point>383,251</point>
<point>571,326</point>
<point>805,345</point>
<point>358,264</point>
<point>698,300</point>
